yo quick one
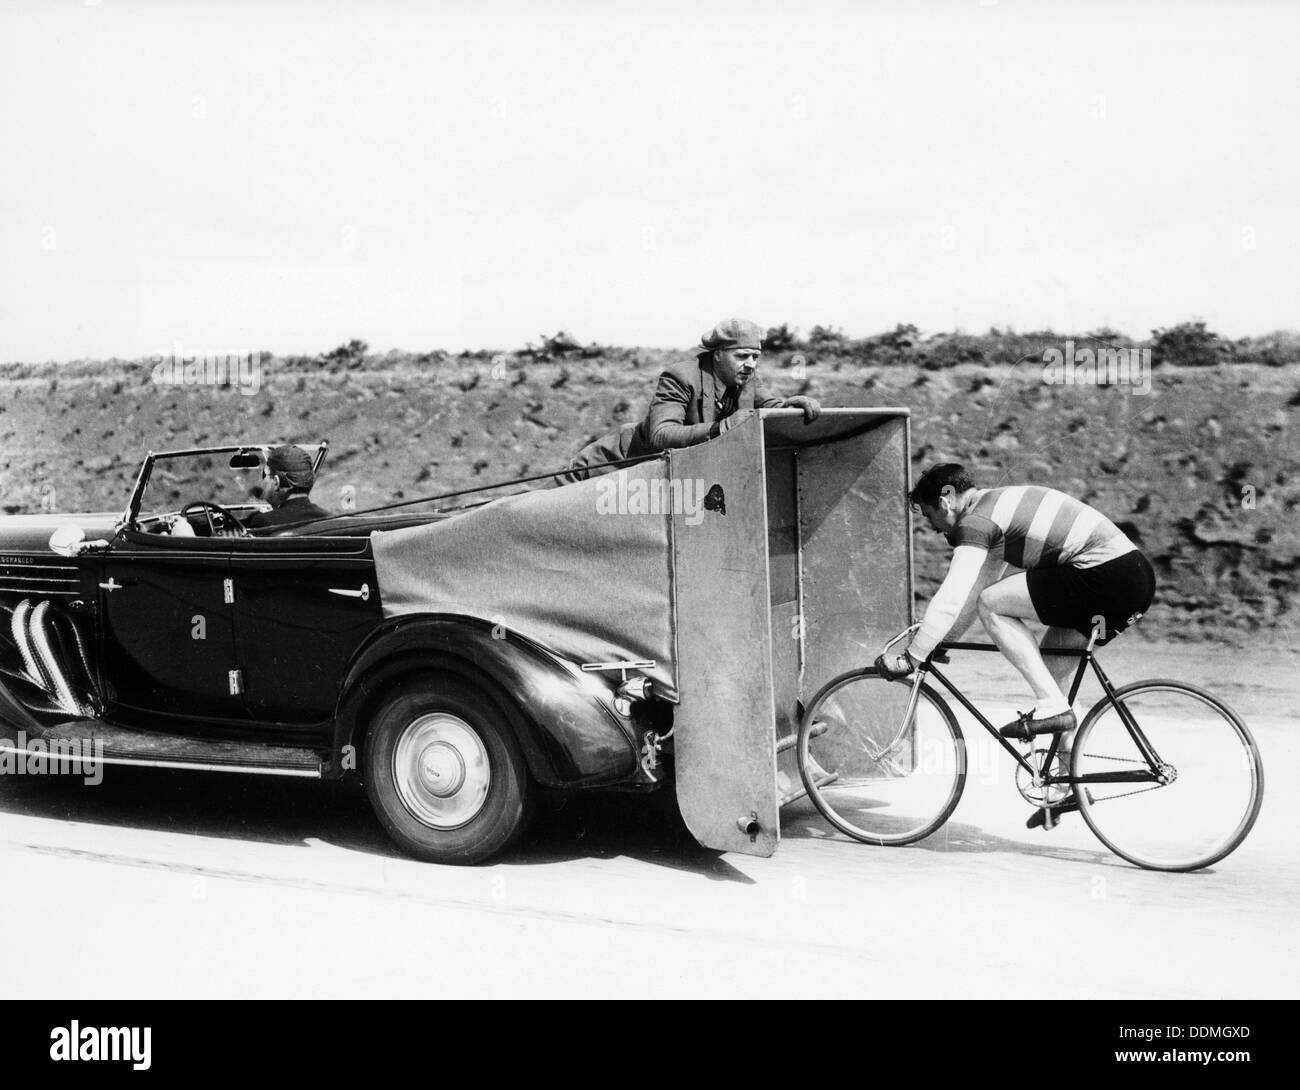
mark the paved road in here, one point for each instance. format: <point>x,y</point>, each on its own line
<point>173,884</point>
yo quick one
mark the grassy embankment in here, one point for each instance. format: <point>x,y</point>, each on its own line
<point>1204,470</point>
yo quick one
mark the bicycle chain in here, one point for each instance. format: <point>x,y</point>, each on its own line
<point>1126,794</point>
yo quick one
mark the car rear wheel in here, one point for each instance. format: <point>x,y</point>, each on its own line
<point>444,771</point>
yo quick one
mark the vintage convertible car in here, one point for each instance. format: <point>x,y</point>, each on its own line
<point>654,626</point>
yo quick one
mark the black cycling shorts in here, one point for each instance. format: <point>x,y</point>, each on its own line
<point>1108,597</point>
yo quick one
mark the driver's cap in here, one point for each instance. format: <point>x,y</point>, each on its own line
<point>292,465</point>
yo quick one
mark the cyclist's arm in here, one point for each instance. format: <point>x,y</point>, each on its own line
<point>952,595</point>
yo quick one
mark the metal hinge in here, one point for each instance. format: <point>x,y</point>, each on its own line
<point>236,681</point>
<point>229,594</point>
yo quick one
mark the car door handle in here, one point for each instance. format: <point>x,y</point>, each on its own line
<point>363,593</point>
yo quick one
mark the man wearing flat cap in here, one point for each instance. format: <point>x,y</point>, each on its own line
<point>695,401</point>
<point>287,478</point>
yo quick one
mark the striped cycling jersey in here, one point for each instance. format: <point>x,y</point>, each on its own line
<point>1037,527</point>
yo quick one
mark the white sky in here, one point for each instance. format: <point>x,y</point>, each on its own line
<point>239,176</point>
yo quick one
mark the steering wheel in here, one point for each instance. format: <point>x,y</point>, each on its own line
<point>226,517</point>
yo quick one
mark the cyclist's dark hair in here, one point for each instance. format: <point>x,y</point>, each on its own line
<point>934,479</point>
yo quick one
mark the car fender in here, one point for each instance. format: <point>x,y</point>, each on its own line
<point>564,719</point>
<point>14,714</point>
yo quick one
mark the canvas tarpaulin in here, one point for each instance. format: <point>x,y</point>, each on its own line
<point>584,570</point>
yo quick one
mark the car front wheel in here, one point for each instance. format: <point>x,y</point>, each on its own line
<point>444,771</point>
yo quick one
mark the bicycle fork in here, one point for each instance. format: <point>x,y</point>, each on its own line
<point>883,755</point>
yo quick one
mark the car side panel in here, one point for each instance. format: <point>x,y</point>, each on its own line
<point>166,632</point>
<point>299,619</point>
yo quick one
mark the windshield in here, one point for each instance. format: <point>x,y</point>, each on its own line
<point>232,479</point>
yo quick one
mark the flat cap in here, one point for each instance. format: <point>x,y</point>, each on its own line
<point>292,464</point>
<point>734,333</point>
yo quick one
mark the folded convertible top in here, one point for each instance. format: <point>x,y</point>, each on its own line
<point>565,567</point>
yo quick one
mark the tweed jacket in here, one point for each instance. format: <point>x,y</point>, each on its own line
<point>687,407</point>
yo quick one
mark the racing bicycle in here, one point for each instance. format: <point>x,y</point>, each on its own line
<point>1165,774</point>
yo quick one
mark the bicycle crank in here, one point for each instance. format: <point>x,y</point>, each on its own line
<point>1033,789</point>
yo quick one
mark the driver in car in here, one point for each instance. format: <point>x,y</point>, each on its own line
<point>287,479</point>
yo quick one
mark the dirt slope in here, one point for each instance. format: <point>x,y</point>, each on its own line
<point>1204,470</point>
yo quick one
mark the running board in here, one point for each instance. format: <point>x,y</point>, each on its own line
<point>82,740</point>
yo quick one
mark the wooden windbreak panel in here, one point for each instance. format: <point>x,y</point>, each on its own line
<point>724,744</point>
<point>784,592</point>
<point>803,577</point>
<point>854,527</point>
<point>856,584</point>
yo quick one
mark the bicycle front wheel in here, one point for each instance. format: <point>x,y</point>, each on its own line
<point>874,774</point>
<point>1214,779</point>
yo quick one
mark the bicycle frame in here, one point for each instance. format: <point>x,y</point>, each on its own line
<point>1086,658</point>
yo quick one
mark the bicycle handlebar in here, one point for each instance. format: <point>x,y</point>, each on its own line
<point>939,655</point>
<point>901,636</point>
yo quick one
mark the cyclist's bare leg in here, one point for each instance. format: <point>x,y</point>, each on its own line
<point>1062,668</point>
<point>1004,608</point>
<point>993,571</point>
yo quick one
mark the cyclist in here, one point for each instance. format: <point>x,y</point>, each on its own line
<point>1080,574</point>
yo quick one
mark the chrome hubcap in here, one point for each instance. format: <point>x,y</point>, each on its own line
<point>441,770</point>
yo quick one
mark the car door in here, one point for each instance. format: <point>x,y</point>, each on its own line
<point>167,633</point>
<point>302,606</point>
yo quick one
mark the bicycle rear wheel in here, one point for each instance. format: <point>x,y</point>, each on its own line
<point>873,776</point>
<point>1216,778</point>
